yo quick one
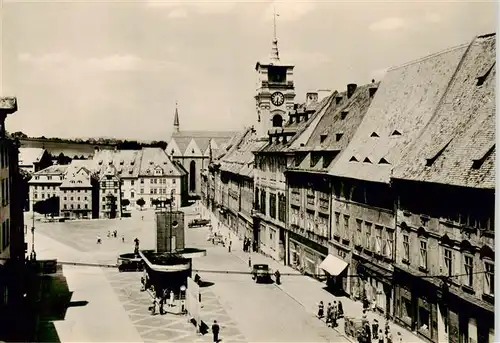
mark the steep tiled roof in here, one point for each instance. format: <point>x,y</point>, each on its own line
<point>240,158</point>
<point>458,145</point>
<point>53,170</point>
<point>154,158</point>
<point>340,121</point>
<point>126,162</point>
<point>403,105</point>
<point>334,130</point>
<point>29,156</point>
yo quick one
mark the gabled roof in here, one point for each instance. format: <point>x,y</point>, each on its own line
<point>239,159</point>
<point>458,145</point>
<point>154,158</point>
<point>202,138</point>
<point>403,105</point>
<point>29,156</point>
<point>81,178</point>
<point>57,169</point>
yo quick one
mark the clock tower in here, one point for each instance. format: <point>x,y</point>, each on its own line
<point>275,91</point>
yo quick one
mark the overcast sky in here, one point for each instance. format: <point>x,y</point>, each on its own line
<point>117,68</point>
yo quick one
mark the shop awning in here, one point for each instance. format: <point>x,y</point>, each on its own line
<point>333,265</point>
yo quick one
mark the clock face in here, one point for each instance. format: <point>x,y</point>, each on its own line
<point>277,98</point>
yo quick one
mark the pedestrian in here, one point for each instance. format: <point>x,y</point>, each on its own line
<point>329,313</point>
<point>400,337</point>
<point>109,233</point>
<point>334,314</point>
<point>162,300</point>
<point>340,310</point>
<point>388,337</point>
<point>387,327</point>
<point>98,239</point>
<point>375,329</point>
<point>172,298</point>
<point>277,275</point>
<point>380,336</point>
<point>215,331</point>
<point>321,309</point>
<point>123,239</point>
<point>229,246</point>
<point>368,333</point>
<point>250,261</point>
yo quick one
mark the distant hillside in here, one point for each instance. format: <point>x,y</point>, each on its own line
<point>69,149</point>
<point>72,148</point>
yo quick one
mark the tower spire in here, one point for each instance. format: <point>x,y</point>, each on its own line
<point>275,55</point>
<point>176,119</point>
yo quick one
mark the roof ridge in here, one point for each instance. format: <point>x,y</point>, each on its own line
<point>421,59</point>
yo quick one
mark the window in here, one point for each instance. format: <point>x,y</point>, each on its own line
<point>368,235</point>
<point>389,245</point>
<point>71,206</point>
<point>151,191</point>
<point>468,271</point>
<point>64,206</point>
<point>131,182</point>
<point>131,195</point>
<point>337,223</point>
<point>103,198</point>
<point>103,184</point>
<point>448,261</point>
<point>346,227</point>
<point>173,181</point>
<point>272,205</point>
<point>378,239</point>
<point>65,198</point>
<point>103,207</point>
<point>86,206</point>
<point>359,231</point>
<point>282,208</point>
<point>142,190</point>
<point>406,247</point>
<point>489,278</point>
<point>142,181</point>
<point>423,254</point>
<point>78,206</point>
<point>115,184</point>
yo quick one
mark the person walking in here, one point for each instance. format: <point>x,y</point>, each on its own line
<point>215,331</point>
<point>321,310</point>
<point>249,261</point>
<point>388,337</point>
<point>380,336</point>
<point>229,246</point>
<point>375,329</point>
<point>340,310</point>
<point>172,298</point>
<point>334,314</point>
<point>277,275</point>
<point>329,313</point>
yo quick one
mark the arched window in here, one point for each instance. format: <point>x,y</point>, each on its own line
<point>277,121</point>
<point>192,176</point>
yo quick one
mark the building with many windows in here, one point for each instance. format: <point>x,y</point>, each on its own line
<point>445,186</point>
<point>311,234</point>
<point>12,244</point>
<point>32,160</point>
<point>79,194</point>
<point>46,183</point>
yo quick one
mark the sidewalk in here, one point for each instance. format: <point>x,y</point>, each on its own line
<point>309,292</point>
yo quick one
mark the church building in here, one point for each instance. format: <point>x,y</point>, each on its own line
<point>193,149</point>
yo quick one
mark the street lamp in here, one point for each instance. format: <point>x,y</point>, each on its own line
<point>33,253</point>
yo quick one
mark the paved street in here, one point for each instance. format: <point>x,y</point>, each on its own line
<point>117,310</point>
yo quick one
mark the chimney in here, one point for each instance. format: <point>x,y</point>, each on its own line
<point>338,100</point>
<point>311,97</point>
<point>372,91</point>
<point>351,88</point>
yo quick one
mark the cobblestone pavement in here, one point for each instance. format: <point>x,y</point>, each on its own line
<point>167,327</point>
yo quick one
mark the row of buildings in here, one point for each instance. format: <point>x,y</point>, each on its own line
<point>386,190</point>
<point>12,245</point>
<point>98,188</point>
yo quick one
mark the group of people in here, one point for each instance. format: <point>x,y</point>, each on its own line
<point>374,333</point>
<point>333,312</point>
<point>160,299</point>
<point>113,234</point>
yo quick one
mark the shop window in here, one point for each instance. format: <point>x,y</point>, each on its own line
<point>423,254</point>
<point>468,271</point>
<point>406,248</point>
<point>489,277</point>
<point>448,261</point>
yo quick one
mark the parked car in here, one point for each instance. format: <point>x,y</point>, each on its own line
<point>198,222</point>
<point>261,272</point>
<point>130,265</point>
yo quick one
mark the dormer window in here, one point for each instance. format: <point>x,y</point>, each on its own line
<point>353,159</point>
<point>110,162</point>
<point>192,151</point>
<point>121,162</point>
<point>343,114</point>
<point>172,152</point>
<point>383,161</point>
<point>100,162</point>
<point>132,163</point>
<point>374,134</point>
<point>151,162</point>
<point>322,138</point>
<point>481,79</point>
<point>367,160</point>
<point>338,136</point>
<point>396,133</point>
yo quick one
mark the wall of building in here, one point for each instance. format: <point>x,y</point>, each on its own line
<point>76,203</point>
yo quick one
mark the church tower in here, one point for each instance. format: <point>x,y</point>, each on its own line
<point>275,91</point>
<point>176,120</point>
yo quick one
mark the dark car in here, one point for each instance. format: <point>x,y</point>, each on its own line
<point>130,265</point>
<point>261,272</point>
<point>198,222</point>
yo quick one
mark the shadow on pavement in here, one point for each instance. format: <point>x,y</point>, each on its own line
<point>55,299</point>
